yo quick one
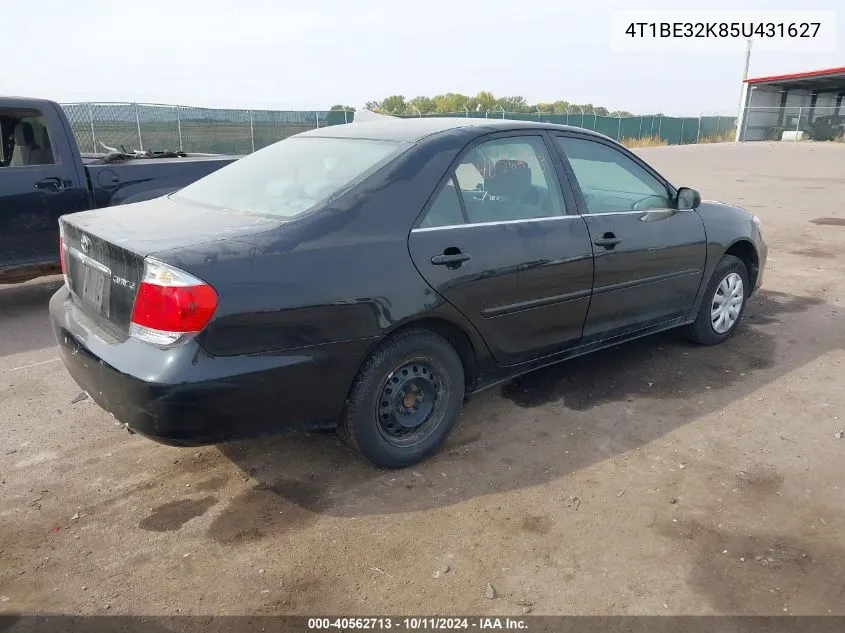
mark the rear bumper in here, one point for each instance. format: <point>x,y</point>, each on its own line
<point>186,397</point>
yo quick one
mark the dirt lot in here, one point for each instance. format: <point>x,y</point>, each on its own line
<point>654,478</point>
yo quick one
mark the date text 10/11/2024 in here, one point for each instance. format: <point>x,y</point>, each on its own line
<point>417,623</point>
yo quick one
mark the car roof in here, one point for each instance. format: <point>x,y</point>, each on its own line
<point>418,128</point>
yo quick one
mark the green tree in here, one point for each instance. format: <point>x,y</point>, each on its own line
<point>484,101</point>
<point>514,104</point>
<point>451,102</point>
<point>342,108</point>
<point>421,105</point>
<point>394,104</point>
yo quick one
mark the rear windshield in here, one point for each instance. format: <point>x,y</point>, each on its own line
<point>291,176</point>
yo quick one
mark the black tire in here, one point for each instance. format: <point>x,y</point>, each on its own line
<point>431,366</point>
<point>702,330</point>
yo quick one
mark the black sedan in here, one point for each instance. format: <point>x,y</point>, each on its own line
<point>370,276</point>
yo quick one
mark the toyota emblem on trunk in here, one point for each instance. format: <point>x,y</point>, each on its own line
<point>85,243</point>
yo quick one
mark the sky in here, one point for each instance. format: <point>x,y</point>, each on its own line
<point>308,55</point>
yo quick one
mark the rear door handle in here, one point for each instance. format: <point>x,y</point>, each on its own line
<point>455,258</point>
<point>608,240</point>
<point>50,185</point>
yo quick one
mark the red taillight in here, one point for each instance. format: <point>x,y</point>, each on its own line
<point>170,304</point>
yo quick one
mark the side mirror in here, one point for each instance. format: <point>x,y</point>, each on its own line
<point>687,199</point>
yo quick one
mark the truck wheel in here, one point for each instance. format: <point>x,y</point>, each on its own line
<point>723,304</point>
<point>405,400</point>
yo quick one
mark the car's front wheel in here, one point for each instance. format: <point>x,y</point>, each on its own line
<point>723,304</point>
<point>405,399</point>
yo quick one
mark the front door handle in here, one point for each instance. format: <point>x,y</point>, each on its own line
<point>50,185</point>
<point>608,240</point>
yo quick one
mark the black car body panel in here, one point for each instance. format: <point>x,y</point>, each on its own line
<point>303,302</point>
<point>187,396</point>
<point>33,197</point>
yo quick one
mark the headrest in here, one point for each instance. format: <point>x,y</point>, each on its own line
<point>510,178</point>
<point>23,134</point>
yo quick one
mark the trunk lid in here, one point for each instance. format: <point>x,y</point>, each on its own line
<point>105,250</point>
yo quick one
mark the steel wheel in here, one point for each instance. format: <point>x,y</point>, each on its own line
<point>407,407</point>
<point>405,400</point>
<point>727,303</point>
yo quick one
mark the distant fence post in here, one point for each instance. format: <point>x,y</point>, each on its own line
<point>798,121</point>
<point>317,118</point>
<point>91,119</point>
<point>345,116</point>
<point>252,131</point>
<point>698,133</point>
<point>179,126</point>
<point>641,128</point>
<point>681,138</point>
<point>659,125</point>
<point>619,130</point>
<point>138,125</point>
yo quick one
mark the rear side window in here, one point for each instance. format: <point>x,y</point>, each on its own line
<point>291,176</point>
<point>503,180</point>
<point>24,139</point>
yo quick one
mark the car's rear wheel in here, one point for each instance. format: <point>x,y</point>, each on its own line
<point>405,399</point>
<point>723,304</point>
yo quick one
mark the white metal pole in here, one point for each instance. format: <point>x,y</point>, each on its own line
<point>744,94</point>
<point>745,69</point>
<point>91,118</point>
<point>252,130</point>
<point>138,125</point>
<point>179,125</point>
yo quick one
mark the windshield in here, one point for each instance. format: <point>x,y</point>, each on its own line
<point>291,176</point>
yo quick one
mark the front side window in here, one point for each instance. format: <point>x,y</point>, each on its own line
<point>610,181</point>
<point>509,179</point>
<point>24,139</point>
<point>291,176</point>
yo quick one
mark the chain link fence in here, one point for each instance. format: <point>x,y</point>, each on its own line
<point>657,129</point>
<point>131,126</point>
<point>156,127</point>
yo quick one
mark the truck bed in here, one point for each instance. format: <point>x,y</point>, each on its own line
<point>130,180</point>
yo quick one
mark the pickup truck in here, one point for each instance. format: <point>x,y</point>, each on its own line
<point>43,175</point>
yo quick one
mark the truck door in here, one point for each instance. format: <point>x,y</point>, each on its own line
<point>39,181</point>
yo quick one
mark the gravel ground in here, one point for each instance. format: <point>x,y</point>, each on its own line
<point>653,478</point>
